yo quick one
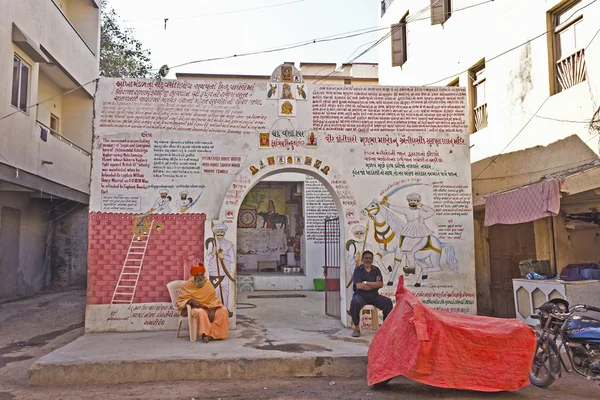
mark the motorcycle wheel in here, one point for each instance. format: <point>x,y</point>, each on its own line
<point>545,363</point>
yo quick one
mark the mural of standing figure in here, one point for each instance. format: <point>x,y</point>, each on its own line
<point>162,203</point>
<point>356,247</point>
<point>221,262</point>
<point>183,202</point>
<point>415,233</point>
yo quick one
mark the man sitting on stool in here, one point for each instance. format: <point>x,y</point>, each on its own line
<point>367,280</point>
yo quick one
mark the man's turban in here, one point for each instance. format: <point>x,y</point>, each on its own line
<point>197,269</point>
<point>220,227</point>
<point>414,196</point>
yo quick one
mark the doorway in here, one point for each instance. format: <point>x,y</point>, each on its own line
<point>281,236</point>
<point>509,244</point>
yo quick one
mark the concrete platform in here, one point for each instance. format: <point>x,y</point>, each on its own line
<point>279,337</point>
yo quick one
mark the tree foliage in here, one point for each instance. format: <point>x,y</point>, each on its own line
<point>121,54</point>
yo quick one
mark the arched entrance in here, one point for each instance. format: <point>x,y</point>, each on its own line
<point>245,181</point>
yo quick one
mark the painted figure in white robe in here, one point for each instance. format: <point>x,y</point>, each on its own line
<point>221,263</point>
<point>184,202</point>
<point>354,254</point>
<point>161,204</point>
<point>415,232</point>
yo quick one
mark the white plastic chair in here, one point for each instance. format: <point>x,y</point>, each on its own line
<point>174,288</point>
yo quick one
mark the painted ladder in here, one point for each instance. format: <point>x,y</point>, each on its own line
<point>132,267</point>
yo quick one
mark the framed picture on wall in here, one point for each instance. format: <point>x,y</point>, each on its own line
<point>247,219</point>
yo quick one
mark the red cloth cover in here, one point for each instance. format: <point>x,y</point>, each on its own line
<point>449,350</point>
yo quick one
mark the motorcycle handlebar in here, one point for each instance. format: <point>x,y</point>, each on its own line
<point>590,308</point>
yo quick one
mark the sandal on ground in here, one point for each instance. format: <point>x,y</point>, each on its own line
<point>356,333</point>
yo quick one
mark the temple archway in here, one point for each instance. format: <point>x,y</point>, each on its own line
<point>261,169</point>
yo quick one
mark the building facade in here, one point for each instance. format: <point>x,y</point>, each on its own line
<point>49,58</point>
<point>532,78</point>
<point>306,205</point>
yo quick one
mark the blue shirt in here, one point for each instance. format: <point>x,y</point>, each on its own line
<point>361,275</point>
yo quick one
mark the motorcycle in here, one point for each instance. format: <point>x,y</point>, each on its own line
<point>567,340</point>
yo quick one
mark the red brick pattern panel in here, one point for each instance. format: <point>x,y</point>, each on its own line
<point>110,234</point>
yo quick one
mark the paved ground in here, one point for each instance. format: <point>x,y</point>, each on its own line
<point>279,334</point>
<point>34,327</point>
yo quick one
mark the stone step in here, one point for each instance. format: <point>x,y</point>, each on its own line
<point>249,353</point>
<point>160,370</point>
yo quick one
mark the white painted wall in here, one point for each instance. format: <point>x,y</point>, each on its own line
<point>357,166</point>
<point>517,82</point>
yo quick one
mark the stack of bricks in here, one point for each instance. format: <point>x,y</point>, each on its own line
<point>110,235</point>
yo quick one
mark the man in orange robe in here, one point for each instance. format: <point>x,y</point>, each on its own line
<point>212,318</point>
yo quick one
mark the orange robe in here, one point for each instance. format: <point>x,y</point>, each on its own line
<point>207,297</point>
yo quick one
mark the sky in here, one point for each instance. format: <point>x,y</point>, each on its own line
<point>192,35</point>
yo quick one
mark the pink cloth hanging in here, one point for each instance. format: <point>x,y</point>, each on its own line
<point>524,205</point>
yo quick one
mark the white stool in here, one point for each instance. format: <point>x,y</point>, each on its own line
<point>374,311</point>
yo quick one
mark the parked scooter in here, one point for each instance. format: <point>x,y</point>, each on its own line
<point>565,340</point>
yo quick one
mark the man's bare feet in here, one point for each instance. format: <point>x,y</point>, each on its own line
<point>206,338</point>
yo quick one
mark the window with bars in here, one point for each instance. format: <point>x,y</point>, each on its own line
<point>568,58</point>
<point>399,48</point>
<point>20,83</point>
<point>479,110</point>
<point>441,11</point>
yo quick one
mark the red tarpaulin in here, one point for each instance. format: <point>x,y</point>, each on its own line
<point>450,350</point>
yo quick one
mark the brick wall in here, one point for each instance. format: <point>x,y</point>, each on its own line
<point>110,234</point>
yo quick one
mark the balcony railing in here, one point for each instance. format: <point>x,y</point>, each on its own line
<point>385,4</point>
<point>63,139</point>
<point>571,70</point>
<point>480,117</point>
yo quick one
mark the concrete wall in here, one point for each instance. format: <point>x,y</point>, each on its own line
<point>517,168</point>
<point>517,82</point>
<point>46,90</point>
<point>49,244</point>
<point>24,267</point>
<point>575,247</point>
<point>78,115</point>
<point>68,247</point>
<point>43,243</point>
<point>85,19</point>
<point>20,134</point>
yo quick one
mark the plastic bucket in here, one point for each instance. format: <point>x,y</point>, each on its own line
<point>319,284</point>
<point>333,285</point>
